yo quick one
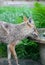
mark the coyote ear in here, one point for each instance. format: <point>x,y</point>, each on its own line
<point>25,19</point>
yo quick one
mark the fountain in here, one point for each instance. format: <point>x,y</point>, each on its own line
<point>42,45</point>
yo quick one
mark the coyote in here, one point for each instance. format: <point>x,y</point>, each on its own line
<point>11,34</point>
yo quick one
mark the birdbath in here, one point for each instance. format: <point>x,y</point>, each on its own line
<point>42,44</point>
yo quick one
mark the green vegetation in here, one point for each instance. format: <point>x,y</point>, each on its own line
<point>14,14</point>
<point>38,14</point>
<point>26,48</point>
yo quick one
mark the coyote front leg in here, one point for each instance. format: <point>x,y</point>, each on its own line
<point>9,54</point>
<point>12,49</point>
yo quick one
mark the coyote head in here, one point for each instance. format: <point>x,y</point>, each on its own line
<point>31,26</point>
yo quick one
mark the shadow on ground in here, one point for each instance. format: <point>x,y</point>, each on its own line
<point>21,62</point>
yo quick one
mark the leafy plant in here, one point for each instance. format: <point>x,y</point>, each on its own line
<point>38,14</point>
<point>14,14</point>
<point>28,49</point>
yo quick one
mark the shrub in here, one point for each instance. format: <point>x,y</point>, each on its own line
<point>14,14</point>
<point>38,14</point>
<point>28,49</point>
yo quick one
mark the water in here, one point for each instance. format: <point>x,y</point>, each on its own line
<point>42,34</point>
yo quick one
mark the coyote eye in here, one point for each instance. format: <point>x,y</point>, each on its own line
<point>6,26</point>
<point>30,20</point>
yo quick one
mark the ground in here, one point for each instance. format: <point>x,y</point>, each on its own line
<point>22,62</point>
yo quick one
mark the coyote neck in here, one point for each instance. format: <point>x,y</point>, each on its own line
<point>23,30</point>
